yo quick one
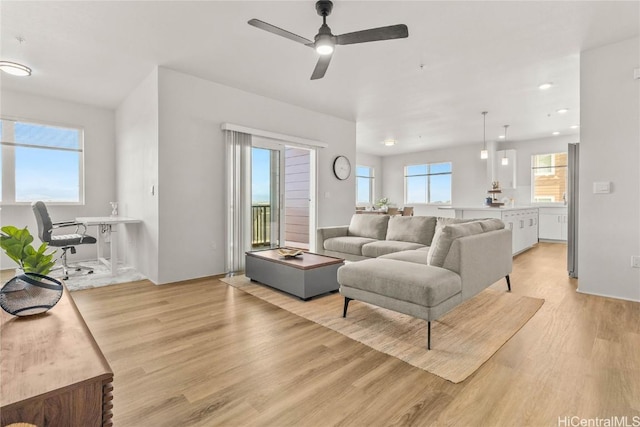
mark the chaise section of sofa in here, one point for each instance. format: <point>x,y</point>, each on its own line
<point>462,260</point>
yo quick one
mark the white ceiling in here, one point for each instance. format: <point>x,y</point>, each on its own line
<point>476,56</point>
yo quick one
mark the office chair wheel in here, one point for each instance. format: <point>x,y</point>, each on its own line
<point>78,269</point>
<point>90,272</point>
<point>65,278</point>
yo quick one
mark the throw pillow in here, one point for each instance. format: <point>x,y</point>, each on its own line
<point>445,236</point>
<point>370,226</point>
<point>414,229</point>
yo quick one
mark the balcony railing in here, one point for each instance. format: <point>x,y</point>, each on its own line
<point>261,220</point>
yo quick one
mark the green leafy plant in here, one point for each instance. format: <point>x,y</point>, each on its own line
<point>16,243</point>
<point>382,202</point>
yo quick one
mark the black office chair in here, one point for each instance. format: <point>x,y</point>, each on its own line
<point>64,241</point>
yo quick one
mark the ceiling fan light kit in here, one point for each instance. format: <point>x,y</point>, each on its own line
<point>325,42</point>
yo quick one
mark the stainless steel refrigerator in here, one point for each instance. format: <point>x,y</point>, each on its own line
<point>573,203</point>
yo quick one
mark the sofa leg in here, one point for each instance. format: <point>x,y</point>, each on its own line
<point>508,282</point>
<point>346,305</point>
<point>428,335</point>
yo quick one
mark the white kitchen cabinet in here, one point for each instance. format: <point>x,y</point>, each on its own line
<point>553,224</point>
<point>523,223</point>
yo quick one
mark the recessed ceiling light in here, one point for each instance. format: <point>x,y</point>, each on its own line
<point>15,69</point>
<point>501,137</point>
<point>575,126</point>
<point>555,133</point>
<point>389,142</point>
<point>562,110</point>
<point>545,86</point>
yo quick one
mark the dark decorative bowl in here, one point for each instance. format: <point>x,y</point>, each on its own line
<point>30,293</point>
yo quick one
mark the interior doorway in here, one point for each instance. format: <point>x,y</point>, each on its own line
<point>282,194</point>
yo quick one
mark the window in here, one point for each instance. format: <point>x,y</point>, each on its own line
<point>41,162</point>
<point>549,178</point>
<point>364,185</point>
<point>430,183</point>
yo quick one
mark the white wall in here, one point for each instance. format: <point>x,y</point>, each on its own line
<point>364,159</point>
<point>468,180</point>
<point>136,172</point>
<point>99,154</point>
<point>191,166</point>
<point>609,227</point>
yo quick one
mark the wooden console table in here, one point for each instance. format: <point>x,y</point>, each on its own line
<point>52,371</point>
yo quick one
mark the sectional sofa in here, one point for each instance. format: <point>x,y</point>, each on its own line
<point>420,266</point>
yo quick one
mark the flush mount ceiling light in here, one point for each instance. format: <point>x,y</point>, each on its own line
<point>556,133</point>
<point>15,69</point>
<point>505,159</point>
<point>484,154</point>
<point>545,86</point>
<point>562,110</point>
<point>575,126</point>
<point>389,142</point>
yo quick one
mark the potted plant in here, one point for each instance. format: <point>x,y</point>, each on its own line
<point>16,243</point>
<point>383,204</point>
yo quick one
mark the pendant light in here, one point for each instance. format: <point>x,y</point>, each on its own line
<point>505,159</point>
<point>484,154</point>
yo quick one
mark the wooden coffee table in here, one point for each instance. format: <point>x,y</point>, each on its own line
<point>304,276</point>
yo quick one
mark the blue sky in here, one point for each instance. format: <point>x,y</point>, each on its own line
<point>260,176</point>
<point>46,174</point>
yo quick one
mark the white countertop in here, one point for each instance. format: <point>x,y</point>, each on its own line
<point>482,207</point>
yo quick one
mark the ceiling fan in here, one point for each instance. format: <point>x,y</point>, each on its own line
<point>325,42</point>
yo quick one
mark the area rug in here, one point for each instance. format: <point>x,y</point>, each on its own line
<point>461,341</point>
<point>101,276</point>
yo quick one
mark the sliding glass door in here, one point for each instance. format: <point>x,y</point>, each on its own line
<point>282,195</point>
<point>265,197</point>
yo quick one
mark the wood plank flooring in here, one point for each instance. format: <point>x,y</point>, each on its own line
<point>205,354</point>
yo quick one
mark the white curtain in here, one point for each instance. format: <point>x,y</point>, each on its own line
<point>238,163</point>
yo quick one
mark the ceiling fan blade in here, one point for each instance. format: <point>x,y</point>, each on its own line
<point>321,67</point>
<point>279,31</point>
<point>374,34</point>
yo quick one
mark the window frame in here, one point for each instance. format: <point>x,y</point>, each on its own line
<point>553,166</point>
<point>372,195</point>
<point>8,146</point>
<point>428,183</point>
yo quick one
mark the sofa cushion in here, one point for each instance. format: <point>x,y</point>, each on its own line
<point>369,226</point>
<point>445,236</point>
<point>383,247</point>
<point>347,244</point>
<point>417,255</point>
<point>405,281</point>
<point>491,224</point>
<point>415,229</point>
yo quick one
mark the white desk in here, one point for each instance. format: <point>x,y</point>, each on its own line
<point>108,226</point>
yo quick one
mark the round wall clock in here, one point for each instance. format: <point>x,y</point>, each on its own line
<point>341,167</point>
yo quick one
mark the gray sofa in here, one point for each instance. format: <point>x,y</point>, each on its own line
<point>459,260</point>
<point>371,236</point>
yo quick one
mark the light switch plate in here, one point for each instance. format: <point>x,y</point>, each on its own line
<point>603,187</point>
<point>636,74</point>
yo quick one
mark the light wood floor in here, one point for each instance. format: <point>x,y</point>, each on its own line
<point>204,354</point>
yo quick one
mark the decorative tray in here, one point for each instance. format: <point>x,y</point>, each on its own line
<point>289,253</point>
